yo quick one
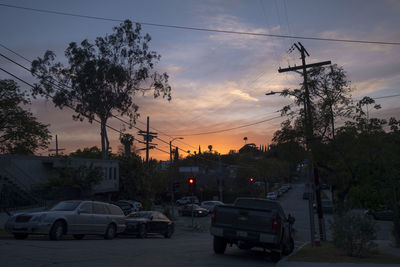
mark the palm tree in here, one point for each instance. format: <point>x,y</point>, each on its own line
<point>210,147</point>
<point>245,139</point>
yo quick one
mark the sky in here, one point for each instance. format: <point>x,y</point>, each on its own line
<point>218,80</point>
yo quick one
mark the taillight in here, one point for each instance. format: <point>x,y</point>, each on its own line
<point>213,216</point>
<point>276,223</point>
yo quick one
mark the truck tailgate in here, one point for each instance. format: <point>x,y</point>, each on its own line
<point>244,219</point>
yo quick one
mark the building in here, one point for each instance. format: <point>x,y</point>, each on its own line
<point>20,175</point>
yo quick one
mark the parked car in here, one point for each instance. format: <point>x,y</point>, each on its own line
<point>75,217</point>
<point>253,222</point>
<point>187,200</point>
<point>382,214</point>
<point>272,196</point>
<point>197,211</point>
<point>129,206</point>
<point>325,187</point>
<point>327,206</point>
<point>211,204</point>
<point>148,222</point>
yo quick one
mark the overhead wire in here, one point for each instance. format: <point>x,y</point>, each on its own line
<point>204,29</point>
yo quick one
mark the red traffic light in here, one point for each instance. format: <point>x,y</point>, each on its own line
<point>191,181</point>
<point>251,179</point>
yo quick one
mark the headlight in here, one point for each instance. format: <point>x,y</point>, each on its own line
<point>200,211</point>
<point>39,218</point>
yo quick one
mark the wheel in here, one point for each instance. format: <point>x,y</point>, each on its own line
<point>20,236</point>
<point>276,256</point>
<point>288,248</point>
<point>110,232</point>
<point>79,237</point>
<point>219,245</point>
<point>142,231</point>
<point>57,230</point>
<point>169,232</point>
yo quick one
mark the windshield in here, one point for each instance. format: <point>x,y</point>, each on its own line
<point>66,206</point>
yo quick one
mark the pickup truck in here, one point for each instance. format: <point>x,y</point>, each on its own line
<point>253,222</point>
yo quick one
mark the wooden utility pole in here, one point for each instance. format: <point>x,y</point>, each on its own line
<point>309,136</point>
<point>148,137</point>
<point>57,149</point>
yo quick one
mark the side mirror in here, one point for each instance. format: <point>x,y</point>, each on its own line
<point>79,211</point>
<point>151,218</point>
<point>291,219</point>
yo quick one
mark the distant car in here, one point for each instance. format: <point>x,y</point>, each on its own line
<point>148,222</point>
<point>211,204</point>
<point>197,211</point>
<point>325,187</point>
<point>129,206</point>
<point>382,215</point>
<point>272,196</point>
<point>75,217</point>
<point>327,206</point>
<point>289,186</point>
<point>187,200</point>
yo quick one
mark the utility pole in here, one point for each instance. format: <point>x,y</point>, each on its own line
<point>309,136</point>
<point>220,180</point>
<point>171,177</point>
<point>148,137</point>
<point>57,149</point>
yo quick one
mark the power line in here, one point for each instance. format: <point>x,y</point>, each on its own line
<point>204,29</point>
<point>58,85</point>
<point>229,129</point>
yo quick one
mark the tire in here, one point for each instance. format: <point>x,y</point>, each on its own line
<point>57,230</point>
<point>276,256</point>
<point>79,237</point>
<point>219,245</point>
<point>20,236</point>
<point>288,248</point>
<point>111,232</point>
<point>169,232</point>
<point>142,231</point>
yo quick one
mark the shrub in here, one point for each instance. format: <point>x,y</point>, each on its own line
<point>354,234</point>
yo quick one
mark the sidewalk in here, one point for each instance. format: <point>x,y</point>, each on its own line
<point>384,246</point>
<point>284,263</point>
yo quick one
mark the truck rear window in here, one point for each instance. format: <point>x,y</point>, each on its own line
<point>256,204</point>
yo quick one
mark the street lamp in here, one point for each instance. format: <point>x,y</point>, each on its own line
<point>171,178</point>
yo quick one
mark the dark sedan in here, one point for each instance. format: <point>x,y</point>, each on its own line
<point>148,222</point>
<point>196,209</point>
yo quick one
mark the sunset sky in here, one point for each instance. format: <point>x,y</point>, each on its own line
<point>218,80</point>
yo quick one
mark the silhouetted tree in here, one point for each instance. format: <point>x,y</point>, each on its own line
<point>20,132</point>
<point>103,77</point>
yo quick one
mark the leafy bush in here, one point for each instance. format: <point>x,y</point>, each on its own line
<point>354,234</point>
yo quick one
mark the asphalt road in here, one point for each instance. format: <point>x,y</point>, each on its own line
<point>185,248</point>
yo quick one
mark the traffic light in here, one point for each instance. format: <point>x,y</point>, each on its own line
<point>192,184</point>
<point>251,180</point>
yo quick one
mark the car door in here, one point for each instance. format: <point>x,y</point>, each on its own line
<point>83,220</point>
<point>101,218</point>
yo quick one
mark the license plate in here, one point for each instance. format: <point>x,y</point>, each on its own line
<point>241,234</point>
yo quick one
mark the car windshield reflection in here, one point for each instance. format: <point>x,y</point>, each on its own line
<point>66,206</point>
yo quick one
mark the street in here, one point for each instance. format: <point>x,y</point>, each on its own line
<point>185,248</point>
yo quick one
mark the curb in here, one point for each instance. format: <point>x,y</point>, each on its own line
<point>284,259</point>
